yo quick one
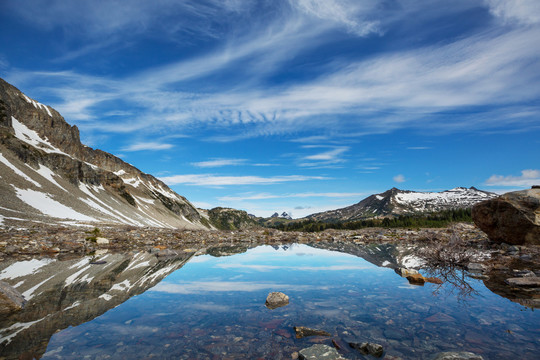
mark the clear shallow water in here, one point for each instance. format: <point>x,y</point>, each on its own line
<point>213,308</point>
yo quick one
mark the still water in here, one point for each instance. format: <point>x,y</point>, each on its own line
<point>213,307</point>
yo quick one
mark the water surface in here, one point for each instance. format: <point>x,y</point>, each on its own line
<point>213,308</point>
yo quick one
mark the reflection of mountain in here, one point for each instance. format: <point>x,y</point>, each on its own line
<point>71,292</point>
<point>385,255</point>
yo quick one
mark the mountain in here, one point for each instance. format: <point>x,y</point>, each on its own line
<point>230,219</point>
<point>395,202</point>
<point>48,175</point>
<point>284,215</point>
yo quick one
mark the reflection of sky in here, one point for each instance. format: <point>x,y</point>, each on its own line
<point>298,268</point>
<point>326,290</point>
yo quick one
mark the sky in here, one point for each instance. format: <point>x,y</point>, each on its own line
<point>291,105</point>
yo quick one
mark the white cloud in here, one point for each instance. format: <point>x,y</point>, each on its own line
<point>399,178</point>
<point>528,178</point>
<point>418,148</point>
<point>225,286</point>
<point>521,11</point>
<point>219,180</point>
<point>219,163</point>
<point>147,146</point>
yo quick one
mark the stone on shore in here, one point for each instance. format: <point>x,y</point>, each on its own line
<point>10,299</point>
<point>102,241</point>
<point>462,355</point>
<point>320,352</point>
<point>276,299</point>
<point>416,279</point>
<point>512,218</point>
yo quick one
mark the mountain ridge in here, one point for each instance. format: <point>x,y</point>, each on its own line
<point>395,202</point>
<point>47,173</point>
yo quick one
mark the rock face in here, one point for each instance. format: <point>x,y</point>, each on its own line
<point>10,299</point>
<point>48,175</point>
<point>276,299</point>
<point>512,218</point>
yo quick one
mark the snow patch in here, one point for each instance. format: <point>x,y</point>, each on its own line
<point>123,286</point>
<point>31,137</point>
<point>106,297</point>
<point>48,174</point>
<point>48,206</point>
<point>28,294</point>
<point>23,268</point>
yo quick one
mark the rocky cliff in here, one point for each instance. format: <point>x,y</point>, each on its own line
<point>48,175</point>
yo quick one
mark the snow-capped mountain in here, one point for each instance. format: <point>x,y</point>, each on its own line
<point>284,215</point>
<point>404,202</point>
<point>48,175</point>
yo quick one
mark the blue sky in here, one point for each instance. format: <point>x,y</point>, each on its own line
<point>291,105</point>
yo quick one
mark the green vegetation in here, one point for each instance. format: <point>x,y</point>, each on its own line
<point>439,219</point>
<point>94,234</point>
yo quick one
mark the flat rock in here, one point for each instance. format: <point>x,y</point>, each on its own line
<point>320,352</point>
<point>512,218</point>
<point>462,355</point>
<point>524,281</point>
<point>276,299</point>
<point>10,299</point>
<point>102,241</point>
<point>302,332</point>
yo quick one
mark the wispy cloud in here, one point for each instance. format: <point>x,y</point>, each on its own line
<point>219,163</point>
<point>263,196</point>
<point>528,178</point>
<point>140,146</point>
<point>219,180</point>
<point>399,178</point>
<point>521,11</point>
<point>418,148</point>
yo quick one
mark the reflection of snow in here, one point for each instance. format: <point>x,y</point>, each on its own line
<point>23,268</point>
<point>412,262</point>
<point>228,286</point>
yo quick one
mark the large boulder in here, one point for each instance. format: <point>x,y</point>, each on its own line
<point>512,218</point>
<point>10,299</point>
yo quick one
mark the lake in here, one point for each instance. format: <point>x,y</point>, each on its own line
<point>210,304</point>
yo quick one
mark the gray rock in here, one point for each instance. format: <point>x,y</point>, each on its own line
<point>320,352</point>
<point>276,299</point>
<point>462,355</point>
<point>524,281</point>
<point>166,253</point>
<point>524,273</point>
<point>366,348</point>
<point>476,267</point>
<point>10,299</point>
<point>510,218</point>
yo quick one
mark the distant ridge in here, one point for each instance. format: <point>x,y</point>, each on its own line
<point>395,202</point>
<point>48,176</point>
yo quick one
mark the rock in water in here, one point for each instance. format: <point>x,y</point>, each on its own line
<point>320,352</point>
<point>368,348</point>
<point>10,299</point>
<point>276,299</point>
<point>463,355</point>
<point>302,332</point>
<point>513,218</point>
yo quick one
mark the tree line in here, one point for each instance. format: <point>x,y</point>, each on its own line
<point>438,219</point>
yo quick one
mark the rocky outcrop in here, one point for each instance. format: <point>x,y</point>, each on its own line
<point>231,219</point>
<point>10,299</point>
<point>512,218</point>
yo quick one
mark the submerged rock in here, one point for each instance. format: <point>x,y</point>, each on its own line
<point>302,332</point>
<point>320,352</point>
<point>462,355</point>
<point>276,299</point>
<point>524,281</point>
<point>511,218</point>
<point>10,299</point>
<point>416,279</point>
<point>366,348</point>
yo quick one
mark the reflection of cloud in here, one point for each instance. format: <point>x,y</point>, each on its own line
<point>208,307</point>
<point>227,286</point>
<point>265,268</point>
